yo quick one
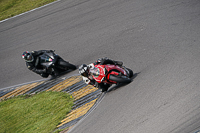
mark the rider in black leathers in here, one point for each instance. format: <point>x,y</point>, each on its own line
<point>32,62</point>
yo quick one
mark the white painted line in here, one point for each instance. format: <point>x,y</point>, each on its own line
<point>90,111</point>
<point>45,79</point>
<point>28,11</point>
<point>14,86</point>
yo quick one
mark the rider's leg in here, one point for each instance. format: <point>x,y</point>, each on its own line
<point>104,87</point>
<point>109,61</point>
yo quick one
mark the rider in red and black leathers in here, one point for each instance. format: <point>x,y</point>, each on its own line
<point>84,70</point>
<point>32,62</point>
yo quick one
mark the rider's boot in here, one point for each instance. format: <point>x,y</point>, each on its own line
<point>55,73</point>
<point>119,63</point>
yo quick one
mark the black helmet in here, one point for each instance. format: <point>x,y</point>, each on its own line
<point>83,70</point>
<point>27,56</point>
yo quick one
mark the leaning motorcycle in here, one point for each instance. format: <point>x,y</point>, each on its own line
<point>53,62</point>
<point>111,74</point>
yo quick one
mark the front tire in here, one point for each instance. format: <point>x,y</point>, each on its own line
<point>120,79</point>
<point>130,72</point>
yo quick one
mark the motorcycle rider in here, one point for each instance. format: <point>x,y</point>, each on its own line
<point>32,62</point>
<point>84,70</point>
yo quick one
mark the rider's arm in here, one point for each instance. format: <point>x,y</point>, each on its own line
<point>91,82</point>
<point>34,69</point>
<point>86,80</point>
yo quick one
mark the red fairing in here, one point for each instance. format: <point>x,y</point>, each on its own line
<point>112,73</point>
<point>100,76</point>
<point>111,67</point>
<point>98,73</point>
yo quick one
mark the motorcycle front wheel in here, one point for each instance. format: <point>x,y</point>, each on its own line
<point>130,72</point>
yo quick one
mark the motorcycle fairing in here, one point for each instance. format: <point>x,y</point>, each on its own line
<point>115,67</point>
<point>98,73</point>
<point>101,73</point>
<point>48,59</point>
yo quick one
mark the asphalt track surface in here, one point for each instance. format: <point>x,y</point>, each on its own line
<point>158,39</point>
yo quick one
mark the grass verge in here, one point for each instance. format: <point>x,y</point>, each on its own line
<point>39,113</point>
<point>10,8</point>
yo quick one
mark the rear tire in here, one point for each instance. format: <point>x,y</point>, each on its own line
<point>120,79</point>
<point>66,65</point>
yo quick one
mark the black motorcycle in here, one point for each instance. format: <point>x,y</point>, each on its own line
<point>54,64</point>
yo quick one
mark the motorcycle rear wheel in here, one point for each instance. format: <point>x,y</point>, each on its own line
<point>120,79</point>
<point>66,64</point>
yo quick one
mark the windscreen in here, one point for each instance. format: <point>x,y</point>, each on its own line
<point>45,58</point>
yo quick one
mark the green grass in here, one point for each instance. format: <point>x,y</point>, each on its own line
<point>39,113</point>
<point>10,8</point>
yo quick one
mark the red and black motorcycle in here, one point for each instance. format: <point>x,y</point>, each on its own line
<point>111,74</point>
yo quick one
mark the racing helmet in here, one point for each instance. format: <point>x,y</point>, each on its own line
<point>84,70</point>
<point>27,56</point>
